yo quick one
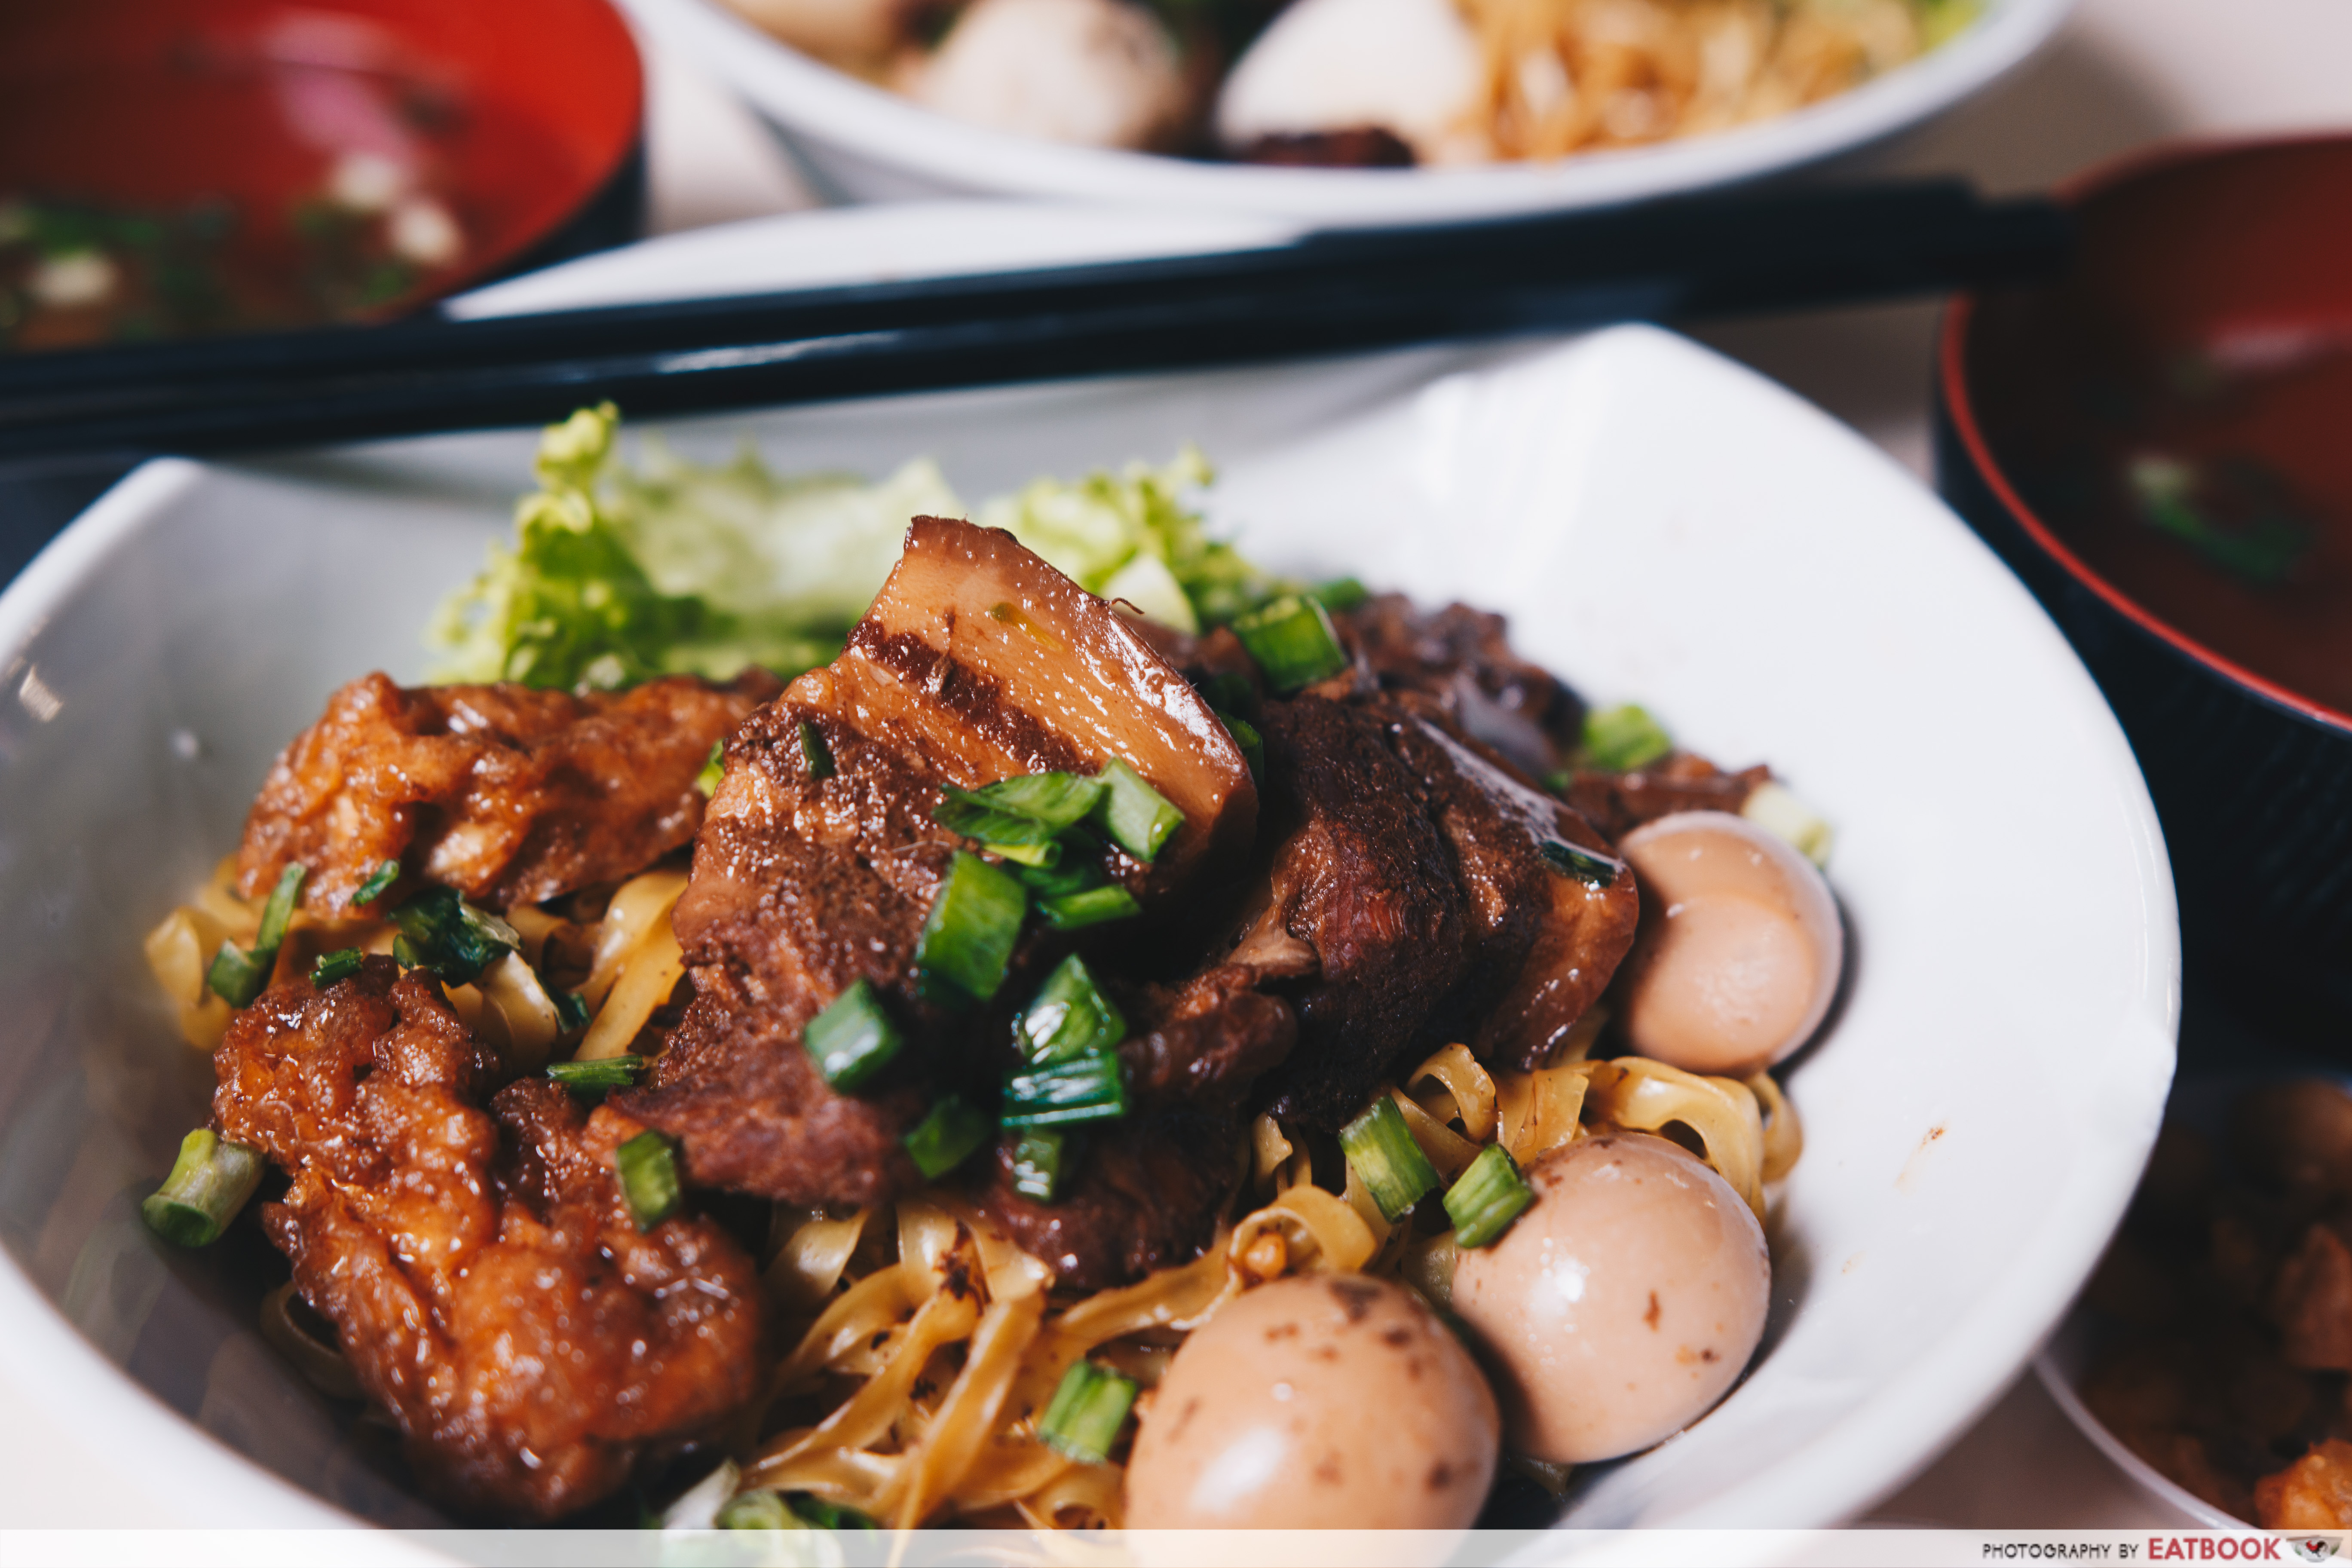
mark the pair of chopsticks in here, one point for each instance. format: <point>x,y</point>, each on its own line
<point>1326,293</point>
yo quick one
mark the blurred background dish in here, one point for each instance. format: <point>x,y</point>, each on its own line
<point>170,167</point>
<point>2155,444</point>
<point>1090,99</point>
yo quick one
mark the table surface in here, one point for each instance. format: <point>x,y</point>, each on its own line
<point>2123,74</point>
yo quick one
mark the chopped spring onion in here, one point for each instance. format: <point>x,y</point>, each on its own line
<point>829,1515</point>
<point>1228,693</point>
<point>946,1138</point>
<point>1057,800</point>
<point>853,1040</point>
<point>814,752</point>
<point>1620,739</point>
<point>1076,872</point>
<point>648,1179</point>
<point>570,1007</point>
<point>1245,736</point>
<point>381,877</point>
<point>1134,815</point>
<point>1088,1410</point>
<point>239,977</point>
<point>714,768</point>
<point>758,1511</point>
<point>1091,1088</point>
<point>1021,839</point>
<point>1293,641</point>
<point>1037,1164</point>
<point>1486,1198</point>
<point>968,938</point>
<point>1380,1149</point>
<point>1342,594</point>
<point>210,1181</point>
<point>1559,782</point>
<point>1588,866</point>
<point>443,932</point>
<point>604,1073</point>
<point>1777,811</point>
<point>1095,906</point>
<point>1069,1016</point>
<point>340,964</point>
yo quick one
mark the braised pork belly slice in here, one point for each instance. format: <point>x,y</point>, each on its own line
<point>820,862</point>
<point>477,1257</point>
<point>1456,665</point>
<point>508,794</point>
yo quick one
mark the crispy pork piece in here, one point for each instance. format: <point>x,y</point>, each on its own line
<point>1456,665</point>
<point>481,1266</point>
<point>2313,1493</point>
<point>820,862</point>
<point>508,794</point>
<point>1548,927</point>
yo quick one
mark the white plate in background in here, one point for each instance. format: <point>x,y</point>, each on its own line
<point>1659,524</point>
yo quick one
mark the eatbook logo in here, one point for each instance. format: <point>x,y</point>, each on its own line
<point>2316,1548</point>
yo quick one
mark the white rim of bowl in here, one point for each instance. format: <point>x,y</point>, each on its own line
<point>817,103</point>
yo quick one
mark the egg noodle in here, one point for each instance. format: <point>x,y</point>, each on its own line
<point>925,1346</point>
<point>1567,76</point>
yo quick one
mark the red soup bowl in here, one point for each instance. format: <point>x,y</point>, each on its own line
<point>170,167</point>
<point>2160,443</point>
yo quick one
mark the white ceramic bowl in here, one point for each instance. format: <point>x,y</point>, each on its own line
<point>863,144</point>
<point>1659,524</point>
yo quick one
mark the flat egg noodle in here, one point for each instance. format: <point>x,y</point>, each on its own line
<point>1464,1091</point>
<point>812,1260</point>
<point>1447,1150</point>
<point>1537,1111</point>
<point>647,980</point>
<point>1784,1134</point>
<point>967,1416</point>
<point>1316,1225</point>
<point>641,904</point>
<point>1643,1095</point>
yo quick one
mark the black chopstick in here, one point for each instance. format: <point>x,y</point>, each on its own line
<point>1329,292</point>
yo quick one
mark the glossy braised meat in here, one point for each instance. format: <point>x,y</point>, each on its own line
<point>1206,1042</point>
<point>1362,880</point>
<point>1456,665</point>
<point>1616,804</point>
<point>508,794</point>
<point>978,662</point>
<point>490,1290</point>
<point>1146,1195</point>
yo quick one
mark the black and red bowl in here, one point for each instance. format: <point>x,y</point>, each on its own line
<point>2160,443</point>
<point>176,166</point>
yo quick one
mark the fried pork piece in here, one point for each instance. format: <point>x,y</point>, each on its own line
<point>1456,665</point>
<point>820,862</point>
<point>490,1290</point>
<point>508,794</point>
<point>2313,1493</point>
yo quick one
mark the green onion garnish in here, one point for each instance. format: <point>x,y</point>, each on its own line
<point>1486,1198</point>
<point>1019,839</point>
<point>1587,866</point>
<point>340,964</point>
<point>853,1040</point>
<point>829,1515</point>
<point>1086,1411</point>
<point>1037,1164</point>
<point>1069,1016</point>
<point>946,1138</point>
<point>1245,736</point>
<point>814,752</point>
<point>648,1179</point>
<point>1341,595</point>
<point>714,768</point>
<point>1293,641</point>
<point>968,939</point>
<point>570,1007</point>
<point>1380,1149</point>
<point>443,932</point>
<point>758,1511</point>
<point>1134,815</point>
<point>381,877</point>
<point>605,1072</point>
<point>210,1181</point>
<point>1076,912</point>
<point>1079,868</point>
<point>1227,693</point>
<point>1057,800</point>
<point>1091,1088</point>
<point>239,977</point>
<point>1620,739</point>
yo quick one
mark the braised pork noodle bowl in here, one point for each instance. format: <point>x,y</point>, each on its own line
<point>839,1008</point>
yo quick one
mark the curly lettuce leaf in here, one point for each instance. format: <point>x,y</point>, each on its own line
<point>619,573</point>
